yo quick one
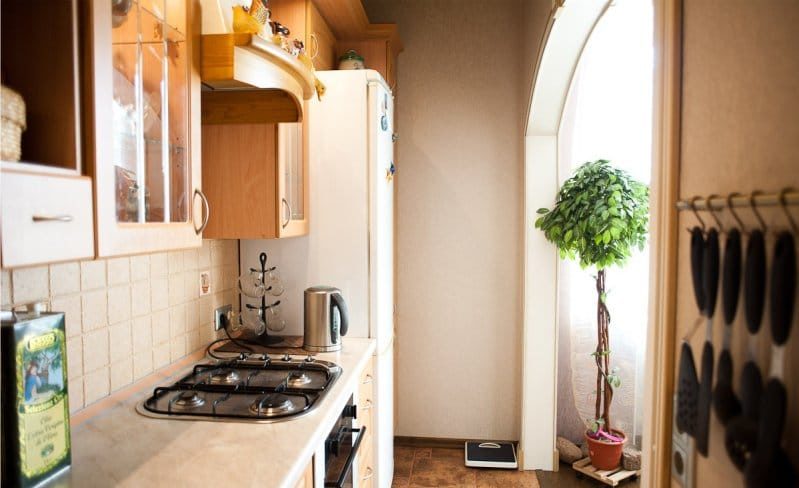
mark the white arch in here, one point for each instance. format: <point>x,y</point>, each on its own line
<point>568,29</point>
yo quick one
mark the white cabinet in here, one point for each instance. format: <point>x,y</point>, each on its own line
<point>45,217</point>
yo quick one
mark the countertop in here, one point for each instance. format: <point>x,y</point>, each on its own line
<point>113,445</point>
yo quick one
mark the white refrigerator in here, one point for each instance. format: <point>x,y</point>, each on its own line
<point>350,244</point>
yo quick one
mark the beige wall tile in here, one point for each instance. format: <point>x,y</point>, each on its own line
<point>142,333</point>
<point>75,394</point>
<point>94,310</point>
<point>159,264</point>
<point>204,255</point>
<point>118,304</point>
<point>120,341</point>
<point>177,347</point>
<point>71,307</point>
<point>217,253</point>
<point>92,274</point>
<point>161,354</point>
<point>193,315</point>
<point>191,259</point>
<point>140,298</point>
<point>139,267</point>
<point>31,284</point>
<point>142,364</point>
<point>5,288</point>
<point>206,313</point>
<point>229,276</point>
<point>175,262</point>
<point>177,289</point>
<point>118,271</point>
<point>193,340</point>
<point>121,373</point>
<point>192,283</point>
<point>231,249</point>
<point>177,321</point>
<point>95,350</point>
<point>160,327</point>
<point>96,385</point>
<point>64,279</point>
<point>159,293</point>
<point>74,357</point>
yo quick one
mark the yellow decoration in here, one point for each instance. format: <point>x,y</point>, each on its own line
<point>244,23</point>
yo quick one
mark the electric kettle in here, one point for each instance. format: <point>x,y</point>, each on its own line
<point>326,319</point>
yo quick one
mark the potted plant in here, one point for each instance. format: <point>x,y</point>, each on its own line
<point>601,214</point>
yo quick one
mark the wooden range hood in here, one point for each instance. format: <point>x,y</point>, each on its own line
<point>247,79</point>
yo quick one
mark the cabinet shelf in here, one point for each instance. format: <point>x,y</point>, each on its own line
<point>244,69</point>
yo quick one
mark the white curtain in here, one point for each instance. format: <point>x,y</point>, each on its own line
<point>608,115</point>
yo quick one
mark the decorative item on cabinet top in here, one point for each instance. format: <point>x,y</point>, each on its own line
<point>265,74</point>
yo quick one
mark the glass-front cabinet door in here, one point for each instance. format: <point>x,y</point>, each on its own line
<point>292,171</point>
<point>146,126</point>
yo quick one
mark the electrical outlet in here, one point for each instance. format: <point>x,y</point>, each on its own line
<point>223,311</point>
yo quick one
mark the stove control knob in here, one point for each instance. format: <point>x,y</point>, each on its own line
<point>309,359</point>
<point>287,357</point>
<point>243,356</point>
<point>264,357</point>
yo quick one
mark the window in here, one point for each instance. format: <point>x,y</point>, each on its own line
<point>608,115</point>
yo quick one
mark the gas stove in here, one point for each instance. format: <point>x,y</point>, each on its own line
<point>249,388</point>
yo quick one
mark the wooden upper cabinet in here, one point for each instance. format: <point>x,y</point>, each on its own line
<point>143,124</point>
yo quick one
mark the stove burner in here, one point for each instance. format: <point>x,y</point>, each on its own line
<point>188,400</point>
<point>224,377</point>
<point>271,404</point>
<point>297,379</point>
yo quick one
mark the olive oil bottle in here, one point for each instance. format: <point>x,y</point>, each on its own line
<point>35,405</point>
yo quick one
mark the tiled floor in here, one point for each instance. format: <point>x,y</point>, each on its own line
<point>426,467</point>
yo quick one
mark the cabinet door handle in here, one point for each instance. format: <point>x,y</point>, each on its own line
<point>206,211</point>
<point>288,216</point>
<point>52,218</point>
<point>368,379</point>
<point>369,473</point>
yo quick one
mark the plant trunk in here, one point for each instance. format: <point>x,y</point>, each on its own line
<point>604,390</point>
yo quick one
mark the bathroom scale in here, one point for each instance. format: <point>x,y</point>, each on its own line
<point>490,455</point>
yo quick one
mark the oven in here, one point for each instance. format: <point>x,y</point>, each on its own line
<point>341,449</point>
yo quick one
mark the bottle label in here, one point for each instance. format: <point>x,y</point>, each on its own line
<point>42,403</point>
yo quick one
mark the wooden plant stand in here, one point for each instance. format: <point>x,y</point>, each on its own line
<point>610,477</point>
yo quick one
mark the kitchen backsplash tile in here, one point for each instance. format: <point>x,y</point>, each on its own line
<point>31,284</point>
<point>64,279</point>
<point>92,275</point>
<point>128,316</point>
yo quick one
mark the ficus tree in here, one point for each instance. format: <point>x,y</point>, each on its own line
<point>600,216</point>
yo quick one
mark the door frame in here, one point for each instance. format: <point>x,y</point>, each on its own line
<point>568,30</point>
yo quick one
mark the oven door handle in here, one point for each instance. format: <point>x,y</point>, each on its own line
<point>342,477</point>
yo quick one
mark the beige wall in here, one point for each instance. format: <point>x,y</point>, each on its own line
<point>459,201</point>
<point>740,132</point>
<point>127,317</point>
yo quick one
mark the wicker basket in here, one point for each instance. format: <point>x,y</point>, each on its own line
<point>12,109</point>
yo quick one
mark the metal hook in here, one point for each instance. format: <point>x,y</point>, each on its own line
<point>696,213</point>
<point>734,213</point>
<point>753,206</point>
<point>785,209</point>
<point>709,203</point>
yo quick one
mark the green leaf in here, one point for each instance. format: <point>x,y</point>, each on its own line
<point>542,211</point>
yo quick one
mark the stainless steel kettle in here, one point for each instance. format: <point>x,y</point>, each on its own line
<point>326,319</point>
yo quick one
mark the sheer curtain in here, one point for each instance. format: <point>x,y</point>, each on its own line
<point>608,115</point>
